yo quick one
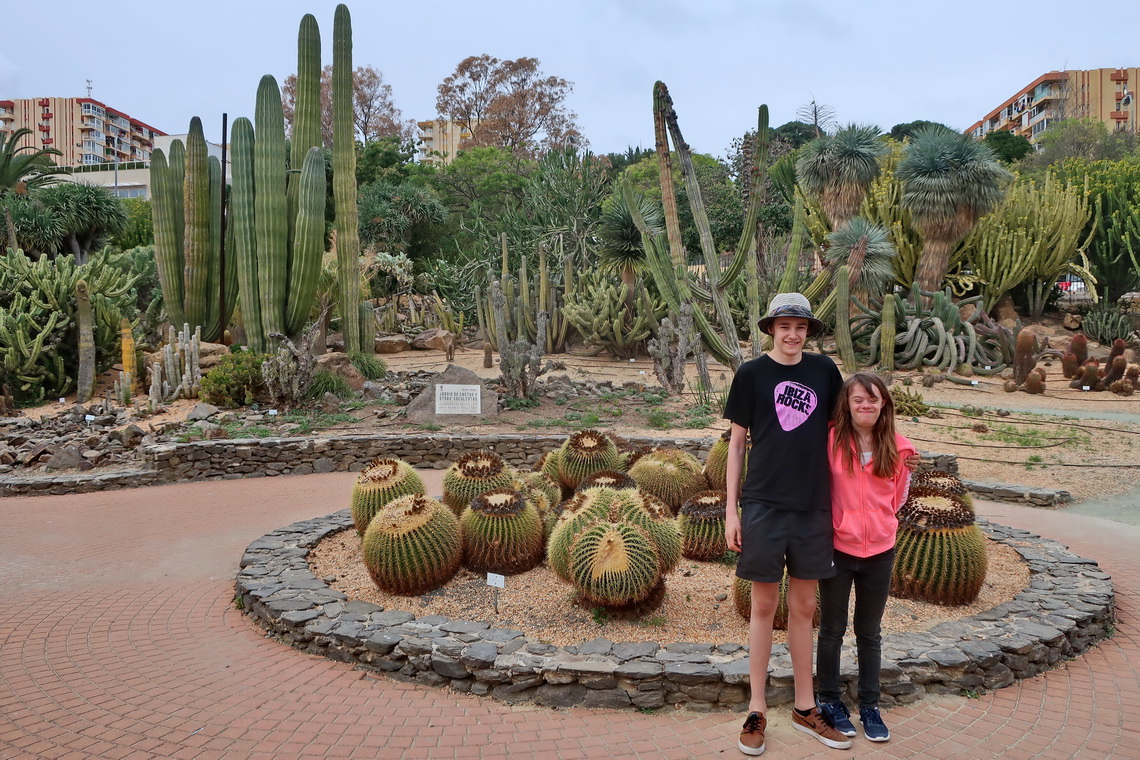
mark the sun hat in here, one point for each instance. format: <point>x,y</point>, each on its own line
<point>790,305</point>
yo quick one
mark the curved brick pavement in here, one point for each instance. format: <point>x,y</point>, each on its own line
<point>118,639</point>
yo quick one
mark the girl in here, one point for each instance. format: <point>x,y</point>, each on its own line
<point>869,481</point>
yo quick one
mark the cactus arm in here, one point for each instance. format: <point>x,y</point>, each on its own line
<point>167,234</point>
<point>843,321</point>
<point>661,105</point>
<point>197,212</point>
<point>344,180</point>
<point>757,196</point>
<point>270,205</point>
<point>308,243</point>
<point>244,251</point>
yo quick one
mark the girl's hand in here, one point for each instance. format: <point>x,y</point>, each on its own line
<point>912,461</point>
<point>732,533</point>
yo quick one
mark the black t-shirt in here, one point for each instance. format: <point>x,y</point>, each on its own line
<point>786,409</point>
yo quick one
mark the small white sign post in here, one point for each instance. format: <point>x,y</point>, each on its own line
<point>496,581</point>
<point>458,399</point>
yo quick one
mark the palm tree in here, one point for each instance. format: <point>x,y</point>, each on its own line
<point>88,214</point>
<point>22,169</point>
<point>867,251</point>
<point>949,181</point>
<point>839,168</point>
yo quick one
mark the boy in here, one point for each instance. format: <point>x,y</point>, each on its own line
<point>784,398</point>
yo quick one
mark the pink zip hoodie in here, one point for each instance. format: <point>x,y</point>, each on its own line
<point>863,507</point>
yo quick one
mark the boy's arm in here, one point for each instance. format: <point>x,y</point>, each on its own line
<point>736,445</point>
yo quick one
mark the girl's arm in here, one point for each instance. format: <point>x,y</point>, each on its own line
<point>736,444</point>
<point>902,476</point>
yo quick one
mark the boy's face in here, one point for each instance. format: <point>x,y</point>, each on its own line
<point>789,334</point>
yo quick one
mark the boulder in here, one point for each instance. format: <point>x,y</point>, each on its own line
<point>1071,321</point>
<point>436,338</point>
<point>339,364</point>
<point>1004,310</point>
<point>392,344</point>
<point>202,411</point>
<point>422,407</point>
<point>212,349</point>
<point>64,458</point>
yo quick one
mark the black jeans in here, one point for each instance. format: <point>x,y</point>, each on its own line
<point>871,577</point>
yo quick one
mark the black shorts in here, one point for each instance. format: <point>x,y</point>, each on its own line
<point>772,539</point>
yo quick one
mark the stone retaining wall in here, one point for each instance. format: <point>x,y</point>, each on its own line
<point>1067,607</point>
<point>265,457</point>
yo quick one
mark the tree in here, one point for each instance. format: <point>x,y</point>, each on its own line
<point>390,214</point>
<point>796,133</point>
<point>820,117</point>
<point>908,129</point>
<point>23,169</point>
<point>839,168</point>
<point>375,115</point>
<point>1087,138</point>
<point>1007,146</point>
<point>67,218</point>
<point>509,104</point>
<point>619,161</point>
<point>949,181</point>
<point>386,159</point>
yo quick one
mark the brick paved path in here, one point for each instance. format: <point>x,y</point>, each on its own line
<point>119,639</point>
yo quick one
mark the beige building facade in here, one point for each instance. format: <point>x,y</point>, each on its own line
<point>1106,95</point>
<point>440,141</point>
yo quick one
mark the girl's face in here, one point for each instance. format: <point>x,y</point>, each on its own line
<point>865,405</point>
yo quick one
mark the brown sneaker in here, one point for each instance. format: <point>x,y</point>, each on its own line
<point>752,735</point>
<point>813,724</point>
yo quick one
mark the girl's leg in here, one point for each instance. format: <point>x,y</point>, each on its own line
<point>764,599</point>
<point>872,586</point>
<point>834,598</point>
<point>801,610</point>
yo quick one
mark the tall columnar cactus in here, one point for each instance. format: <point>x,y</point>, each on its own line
<point>242,222</point>
<point>887,336</point>
<point>270,204</point>
<point>843,343</point>
<point>307,105</point>
<point>381,482</point>
<point>344,184</point>
<point>188,247</point>
<point>412,546</point>
<point>308,242</point>
<point>86,383</point>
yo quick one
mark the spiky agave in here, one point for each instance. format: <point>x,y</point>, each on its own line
<point>502,533</point>
<point>672,475</point>
<point>380,482</point>
<point>701,522</point>
<point>412,546</point>
<point>474,473</point>
<point>584,453</point>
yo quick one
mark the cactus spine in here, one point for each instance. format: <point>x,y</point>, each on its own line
<point>344,183</point>
<point>86,383</point>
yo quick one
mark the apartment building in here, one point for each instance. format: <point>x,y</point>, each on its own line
<point>440,141</point>
<point>86,131</point>
<point>1107,95</point>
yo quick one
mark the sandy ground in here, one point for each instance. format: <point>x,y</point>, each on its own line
<point>541,605</point>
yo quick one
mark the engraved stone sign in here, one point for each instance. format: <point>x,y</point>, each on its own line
<point>458,399</point>
<point>455,396</point>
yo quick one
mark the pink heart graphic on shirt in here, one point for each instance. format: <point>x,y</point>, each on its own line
<point>794,404</point>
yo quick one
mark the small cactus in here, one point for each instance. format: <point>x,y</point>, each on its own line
<point>474,473</point>
<point>716,463</point>
<point>412,546</point>
<point>701,522</point>
<point>502,533</point>
<point>380,482</point>
<point>585,453</point>
<point>1079,345</point>
<point>1069,365</point>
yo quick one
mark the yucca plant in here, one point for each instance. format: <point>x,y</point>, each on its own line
<point>949,181</point>
<point>867,251</point>
<point>621,247</point>
<point>837,169</point>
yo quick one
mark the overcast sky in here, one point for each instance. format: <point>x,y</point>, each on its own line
<point>877,61</point>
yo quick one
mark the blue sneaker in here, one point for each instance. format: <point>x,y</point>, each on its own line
<point>873,727</point>
<point>838,717</point>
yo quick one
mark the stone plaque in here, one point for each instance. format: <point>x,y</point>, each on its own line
<point>458,399</point>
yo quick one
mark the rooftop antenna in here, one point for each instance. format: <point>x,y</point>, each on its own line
<point>88,88</point>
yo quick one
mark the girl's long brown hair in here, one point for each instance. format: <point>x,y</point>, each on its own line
<point>884,452</point>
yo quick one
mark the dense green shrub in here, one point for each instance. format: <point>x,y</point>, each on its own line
<point>236,380</point>
<point>369,365</point>
<point>329,382</point>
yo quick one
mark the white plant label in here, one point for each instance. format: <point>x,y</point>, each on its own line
<point>272,412</point>
<point>987,366</point>
<point>496,580</point>
<point>63,401</point>
<point>1085,388</point>
<point>973,382</point>
<point>89,417</point>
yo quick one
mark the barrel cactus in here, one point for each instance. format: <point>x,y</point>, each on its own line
<point>672,475</point>
<point>614,564</point>
<point>940,554</point>
<point>585,453</point>
<point>932,482</point>
<point>701,522</point>
<point>618,481</point>
<point>742,598</point>
<point>540,489</point>
<point>716,463</point>
<point>474,473</point>
<point>412,546</point>
<point>502,533</point>
<point>380,482</point>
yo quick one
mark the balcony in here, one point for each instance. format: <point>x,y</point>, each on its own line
<point>1119,115</point>
<point>1120,75</point>
<point>45,128</point>
<point>43,102</point>
<point>47,116</point>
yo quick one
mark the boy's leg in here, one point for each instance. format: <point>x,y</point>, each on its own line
<point>834,598</point>
<point>801,610</point>
<point>765,597</point>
